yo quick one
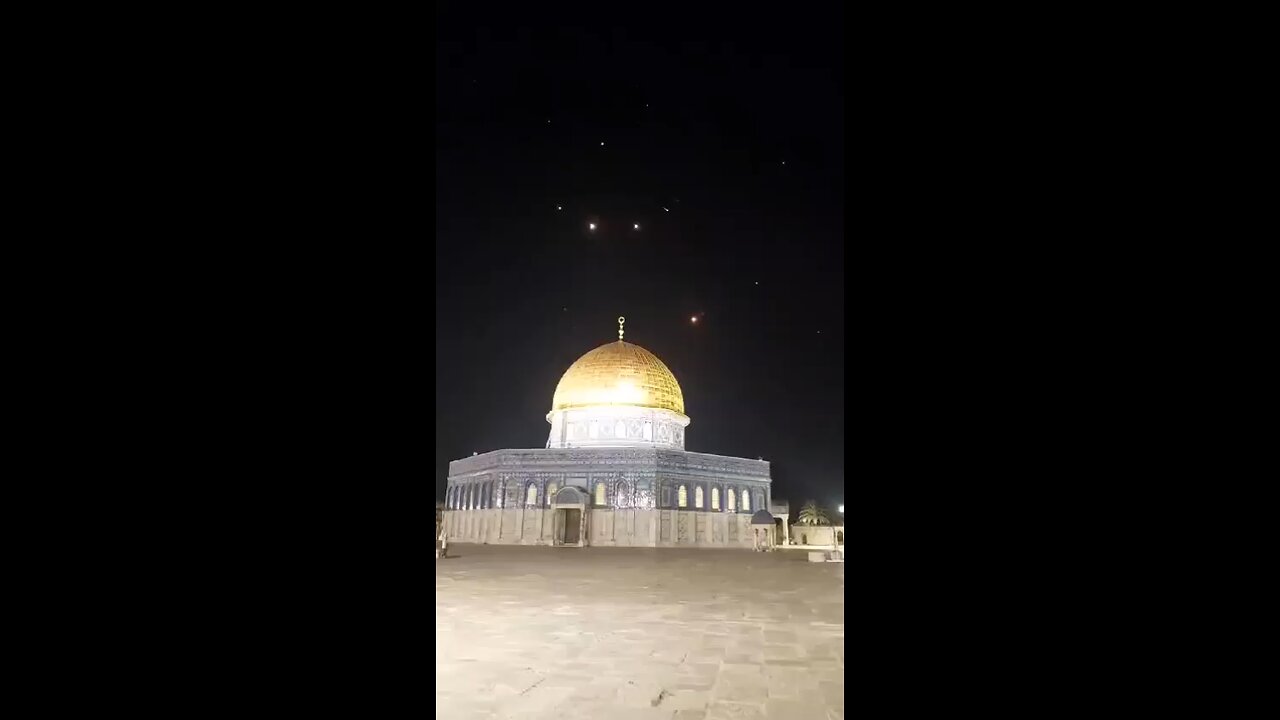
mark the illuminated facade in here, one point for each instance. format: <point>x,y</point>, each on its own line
<point>614,470</point>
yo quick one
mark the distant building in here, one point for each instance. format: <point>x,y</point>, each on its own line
<point>614,471</point>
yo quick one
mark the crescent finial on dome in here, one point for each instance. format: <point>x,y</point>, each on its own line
<point>621,320</point>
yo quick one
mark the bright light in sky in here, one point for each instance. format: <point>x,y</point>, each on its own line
<point>693,319</point>
<point>591,226</point>
<point>636,226</point>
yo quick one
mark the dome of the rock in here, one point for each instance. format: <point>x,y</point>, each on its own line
<point>614,471</point>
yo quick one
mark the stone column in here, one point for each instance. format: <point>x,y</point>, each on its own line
<point>786,533</point>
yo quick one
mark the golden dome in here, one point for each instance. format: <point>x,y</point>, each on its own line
<point>618,373</point>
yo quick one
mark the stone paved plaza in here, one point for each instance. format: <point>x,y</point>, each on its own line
<point>623,633</point>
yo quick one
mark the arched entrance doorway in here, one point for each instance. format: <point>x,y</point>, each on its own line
<point>569,522</point>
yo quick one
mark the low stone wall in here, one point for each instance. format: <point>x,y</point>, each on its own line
<point>605,528</point>
<point>815,534</point>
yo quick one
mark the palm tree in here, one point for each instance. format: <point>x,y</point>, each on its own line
<point>811,514</point>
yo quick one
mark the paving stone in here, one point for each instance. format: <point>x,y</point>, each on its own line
<point>787,662</point>
<point>753,690</point>
<point>781,637</point>
<point>700,669</point>
<point>782,652</point>
<point>541,699</point>
<point>824,665</point>
<point>642,695</point>
<point>719,642</point>
<point>536,632</point>
<point>605,711</point>
<point>794,683</point>
<point>746,670</point>
<point>794,708</point>
<point>828,674</point>
<point>736,711</point>
<point>706,654</point>
<point>833,694</point>
<point>686,700</point>
<point>694,685</point>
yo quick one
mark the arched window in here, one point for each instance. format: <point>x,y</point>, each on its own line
<point>600,493</point>
<point>731,500</point>
<point>715,498</point>
<point>622,495</point>
<point>760,501</point>
<point>593,430</point>
<point>531,495</point>
<point>684,496</point>
<point>697,497</point>
<point>551,494</point>
<point>620,430</point>
<point>746,501</point>
<point>648,430</point>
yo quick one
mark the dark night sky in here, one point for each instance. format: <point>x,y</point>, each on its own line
<point>727,103</point>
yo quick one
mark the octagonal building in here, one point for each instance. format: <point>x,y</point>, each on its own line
<point>614,470</point>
